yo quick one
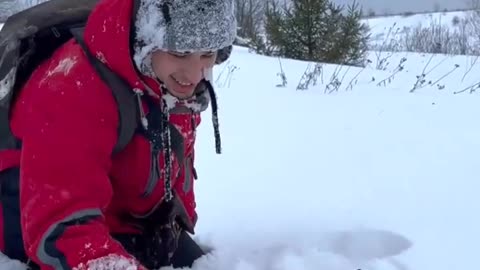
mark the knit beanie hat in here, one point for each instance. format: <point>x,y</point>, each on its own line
<point>182,26</point>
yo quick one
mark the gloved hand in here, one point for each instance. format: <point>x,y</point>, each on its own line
<point>162,228</point>
<point>172,219</point>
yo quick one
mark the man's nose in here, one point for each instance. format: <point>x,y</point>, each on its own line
<point>194,70</point>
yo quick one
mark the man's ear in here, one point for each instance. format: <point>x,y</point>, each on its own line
<point>223,54</point>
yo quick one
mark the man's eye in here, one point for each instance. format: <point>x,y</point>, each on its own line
<point>180,54</point>
<point>185,54</point>
<point>208,54</point>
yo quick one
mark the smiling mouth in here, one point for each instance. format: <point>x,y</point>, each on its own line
<point>182,83</point>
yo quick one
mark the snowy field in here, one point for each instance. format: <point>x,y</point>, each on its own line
<point>393,27</point>
<point>372,177</point>
<point>357,172</point>
<point>381,23</point>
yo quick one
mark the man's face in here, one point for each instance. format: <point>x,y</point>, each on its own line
<point>181,72</point>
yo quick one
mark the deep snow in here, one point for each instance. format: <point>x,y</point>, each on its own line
<point>302,166</point>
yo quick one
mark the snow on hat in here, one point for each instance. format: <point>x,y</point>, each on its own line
<point>182,26</point>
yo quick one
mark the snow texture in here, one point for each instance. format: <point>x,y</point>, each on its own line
<point>64,66</point>
<point>110,262</point>
<point>9,264</point>
<point>395,170</point>
<point>7,83</point>
<point>384,28</point>
<point>191,25</point>
<point>196,103</point>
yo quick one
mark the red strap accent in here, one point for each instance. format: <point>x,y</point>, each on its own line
<point>9,159</point>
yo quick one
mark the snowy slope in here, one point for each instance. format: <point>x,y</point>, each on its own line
<point>399,24</point>
<point>381,23</point>
<point>300,167</point>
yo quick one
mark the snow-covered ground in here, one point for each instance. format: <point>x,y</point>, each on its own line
<point>371,177</point>
<point>382,23</point>
<point>375,177</point>
<point>394,27</point>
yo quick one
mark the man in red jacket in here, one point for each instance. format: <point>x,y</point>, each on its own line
<point>74,204</point>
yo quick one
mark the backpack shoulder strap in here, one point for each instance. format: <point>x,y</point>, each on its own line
<point>124,96</point>
<point>26,39</point>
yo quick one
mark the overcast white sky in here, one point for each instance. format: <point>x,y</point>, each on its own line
<point>407,5</point>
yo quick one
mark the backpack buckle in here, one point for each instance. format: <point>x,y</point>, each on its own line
<point>55,32</point>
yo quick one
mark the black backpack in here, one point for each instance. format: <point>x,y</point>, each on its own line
<point>31,36</point>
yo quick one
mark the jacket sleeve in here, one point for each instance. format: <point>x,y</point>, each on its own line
<point>68,133</point>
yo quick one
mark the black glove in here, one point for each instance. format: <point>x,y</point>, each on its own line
<point>155,247</point>
<point>172,219</point>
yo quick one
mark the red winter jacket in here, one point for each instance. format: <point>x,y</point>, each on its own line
<point>73,192</point>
